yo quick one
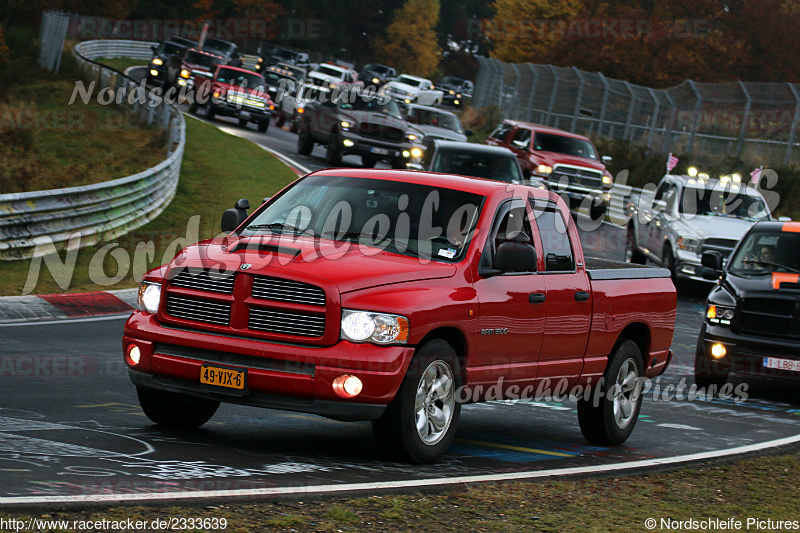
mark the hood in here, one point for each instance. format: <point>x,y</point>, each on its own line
<point>761,285</point>
<point>555,158</point>
<point>434,132</point>
<point>716,226</point>
<point>375,118</point>
<point>348,266</point>
<point>191,67</point>
<point>324,77</point>
<point>402,87</point>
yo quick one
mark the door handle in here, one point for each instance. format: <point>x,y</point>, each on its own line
<point>536,298</point>
<point>582,296</point>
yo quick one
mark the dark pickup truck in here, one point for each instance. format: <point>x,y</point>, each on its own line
<point>752,322</point>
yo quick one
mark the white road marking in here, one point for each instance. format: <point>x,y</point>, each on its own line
<point>404,484</point>
<point>678,426</point>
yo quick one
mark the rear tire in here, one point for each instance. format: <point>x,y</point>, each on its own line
<point>612,420</point>
<point>170,409</point>
<point>305,144</point>
<point>420,422</point>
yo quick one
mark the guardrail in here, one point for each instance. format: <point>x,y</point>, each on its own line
<point>101,211</point>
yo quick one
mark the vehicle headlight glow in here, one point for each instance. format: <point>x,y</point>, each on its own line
<point>185,73</point>
<point>688,244</point>
<point>381,328</point>
<point>345,125</point>
<point>719,315</point>
<point>416,152</point>
<point>153,72</point>
<point>157,61</point>
<point>452,91</point>
<point>149,296</point>
<point>608,180</point>
<point>544,169</point>
<point>376,81</point>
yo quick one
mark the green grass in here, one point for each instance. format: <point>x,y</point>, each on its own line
<point>764,487</point>
<point>121,63</point>
<point>218,169</point>
<point>47,144</point>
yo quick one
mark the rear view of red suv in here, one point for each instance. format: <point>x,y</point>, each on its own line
<point>566,162</point>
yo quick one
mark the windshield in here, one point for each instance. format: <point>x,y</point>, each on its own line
<point>378,69</point>
<point>283,53</point>
<point>724,202</point>
<point>221,46</point>
<point>375,105</point>
<point>429,117</point>
<point>452,81</point>
<point>199,58</point>
<point>480,165</point>
<point>408,81</point>
<point>240,78</point>
<point>171,49</point>
<point>275,79</point>
<point>548,142</point>
<point>414,220</point>
<point>322,69</point>
<point>763,252</point>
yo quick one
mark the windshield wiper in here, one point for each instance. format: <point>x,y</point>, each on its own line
<point>354,235</point>
<point>281,227</point>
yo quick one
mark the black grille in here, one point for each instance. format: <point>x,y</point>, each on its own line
<point>381,132</point>
<point>199,310</point>
<point>203,280</point>
<point>287,323</point>
<point>771,317</point>
<point>723,246</point>
<point>577,176</point>
<point>284,290</point>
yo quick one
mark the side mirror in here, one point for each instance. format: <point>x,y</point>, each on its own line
<point>606,159</point>
<point>712,260</point>
<point>232,218</point>
<point>516,254</point>
<point>708,273</point>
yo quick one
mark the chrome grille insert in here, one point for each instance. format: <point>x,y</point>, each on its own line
<point>199,310</point>
<point>204,280</point>
<point>284,290</point>
<point>287,323</point>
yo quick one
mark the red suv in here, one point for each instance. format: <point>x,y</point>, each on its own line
<point>566,162</point>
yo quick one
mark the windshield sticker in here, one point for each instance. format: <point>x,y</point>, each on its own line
<point>449,253</point>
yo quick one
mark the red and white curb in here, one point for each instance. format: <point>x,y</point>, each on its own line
<point>15,310</point>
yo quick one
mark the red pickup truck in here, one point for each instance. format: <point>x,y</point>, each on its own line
<point>236,92</point>
<point>396,296</point>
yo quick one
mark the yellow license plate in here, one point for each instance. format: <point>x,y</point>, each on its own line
<point>222,377</point>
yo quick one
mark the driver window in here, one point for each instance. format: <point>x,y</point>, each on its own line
<point>522,139</point>
<point>512,218</point>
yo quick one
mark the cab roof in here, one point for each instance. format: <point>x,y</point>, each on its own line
<point>545,129</point>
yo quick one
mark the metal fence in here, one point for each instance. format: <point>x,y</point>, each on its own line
<point>105,210</point>
<point>51,39</point>
<point>755,121</point>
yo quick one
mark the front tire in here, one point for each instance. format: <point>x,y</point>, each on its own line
<point>668,260</point>
<point>305,144</point>
<point>614,416</point>
<point>263,125</point>
<point>280,119</point>
<point>170,409</point>
<point>210,113</point>
<point>368,161</point>
<point>420,422</point>
<point>333,151</point>
<point>242,122</point>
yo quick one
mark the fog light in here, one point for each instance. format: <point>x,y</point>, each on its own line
<point>348,143</point>
<point>347,386</point>
<point>416,152</point>
<point>406,153</point>
<point>153,72</point>
<point>407,100</point>
<point>718,351</point>
<point>456,102</point>
<point>134,354</point>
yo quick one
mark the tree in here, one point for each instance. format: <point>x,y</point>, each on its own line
<point>410,44</point>
<point>525,30</point>
<point>262,10</point>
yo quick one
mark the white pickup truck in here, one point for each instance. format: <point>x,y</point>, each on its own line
<point>413,90</point>
<point>687,216</point>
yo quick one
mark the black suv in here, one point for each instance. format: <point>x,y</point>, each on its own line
<point>468,159</point>
<point>353,123</point>
<point>752,319</point>
<point>457,92</point>
<point>226,49</point>
<point>163,54</point>
<point>376,74</point>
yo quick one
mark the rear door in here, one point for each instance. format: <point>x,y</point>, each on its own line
<point>568,306</point>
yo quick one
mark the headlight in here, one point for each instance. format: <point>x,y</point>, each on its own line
<point>345,125</point>
<point>608,180</point>
<point>688,244</point>
<point>452,91</point>
<point>157,61</point>
<point>416,152</point>
<point>153,72</point>
<point>149,296</point>
<point>413,137</point>
<point>185,73</point>
<point>376,81</point>
<point>719,315</point>
<point>360,326</point>
<point>544,169</point>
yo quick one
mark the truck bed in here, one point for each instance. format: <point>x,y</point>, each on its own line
<point>603,269</point>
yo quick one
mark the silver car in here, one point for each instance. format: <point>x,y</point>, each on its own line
<point>686,216</point>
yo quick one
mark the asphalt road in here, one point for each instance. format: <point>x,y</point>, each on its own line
<point>71,428</point>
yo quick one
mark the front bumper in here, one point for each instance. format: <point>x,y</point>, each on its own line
<point>293,377</point>
<point>577,193</point>
<point>356,144</point>
<point>251,114</point>
<point>746,353</point>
